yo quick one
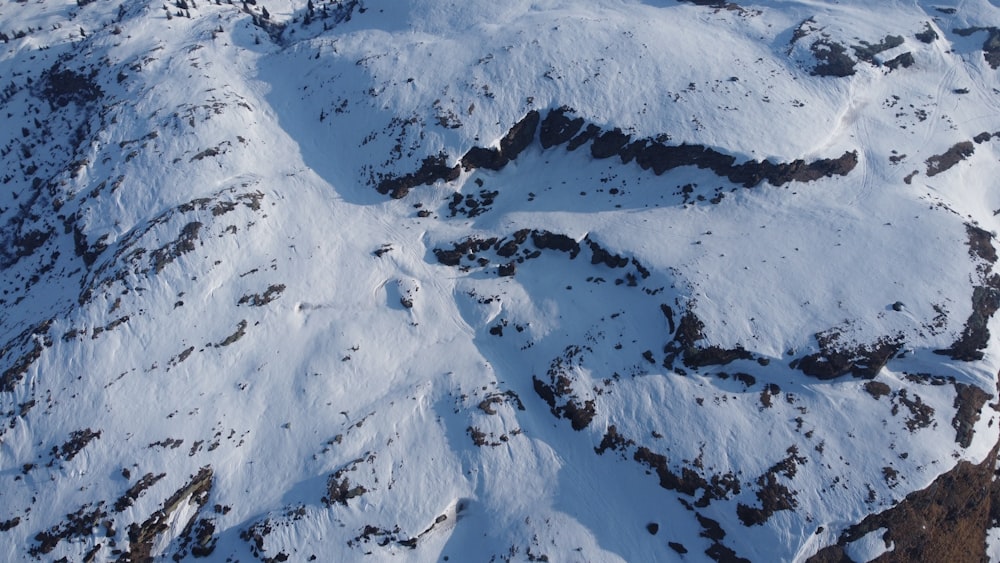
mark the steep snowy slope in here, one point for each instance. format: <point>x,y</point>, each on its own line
<point>567,281</point>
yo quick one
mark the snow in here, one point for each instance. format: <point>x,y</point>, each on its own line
<point>868,547</point>
<point>338,374</point>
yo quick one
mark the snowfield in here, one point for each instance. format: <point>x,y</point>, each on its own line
<point>422,280</point>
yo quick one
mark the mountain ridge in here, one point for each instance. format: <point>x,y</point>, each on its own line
<point>294,281</point>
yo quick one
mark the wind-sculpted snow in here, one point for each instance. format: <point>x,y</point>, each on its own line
<point>521,281</point>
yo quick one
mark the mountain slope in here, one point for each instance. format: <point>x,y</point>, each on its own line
<point>624,281</point>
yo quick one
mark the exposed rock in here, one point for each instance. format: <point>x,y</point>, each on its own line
<point>608,144</point>
<point>921,415</point>
<point>991,46</point>
<point>904,60</point>
<point>558,128</point>
<point>584,137</point>
<point>985,300</point>
<point>136,490</point>
<point>602,256</point>
<point>184,243</point>
<point>77,525</point>
<point>947,521</point>
<point>612,440</point>
<point>488,158</point>
<point>241,330</point>
<point>928,35</point>
<point>33,340</point>
<point>957,153</point>
<point>969,401</point>
<point>465,248</point>
<point>981,244</point>
<point>272,292</point>
<point>78,440</point>
<point>433,169</point>
<point>877,389</point>
<point>517,139</point>
<point>520,136</point>
<point>558,391</point>
<point>985,136</point>
<point>143,536</point>
<point>976,334</point>
<point>339,489</point>
<point>713,356</point>
<point>689,481</point>
<point>689,333</point>
<point>507,270</point>
<point>832,58</point>
<point>772,494</point>
<point>867,51</point>
<point>836,359</point>
<point>546,239</point>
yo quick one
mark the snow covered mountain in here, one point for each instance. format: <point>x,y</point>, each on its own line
<point>550,280</point>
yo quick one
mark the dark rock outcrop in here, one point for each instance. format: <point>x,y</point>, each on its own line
<point>991,46</point>
<point>433,169</point>
<point>559,128</point>
<point>555,241</point>
<point>957,153</point>
<point>985,300</point>
<point>518,138</point>
<point>947,521</point>
<point>969,401</point>
<point>833,59</point>
<point>834,360</point>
